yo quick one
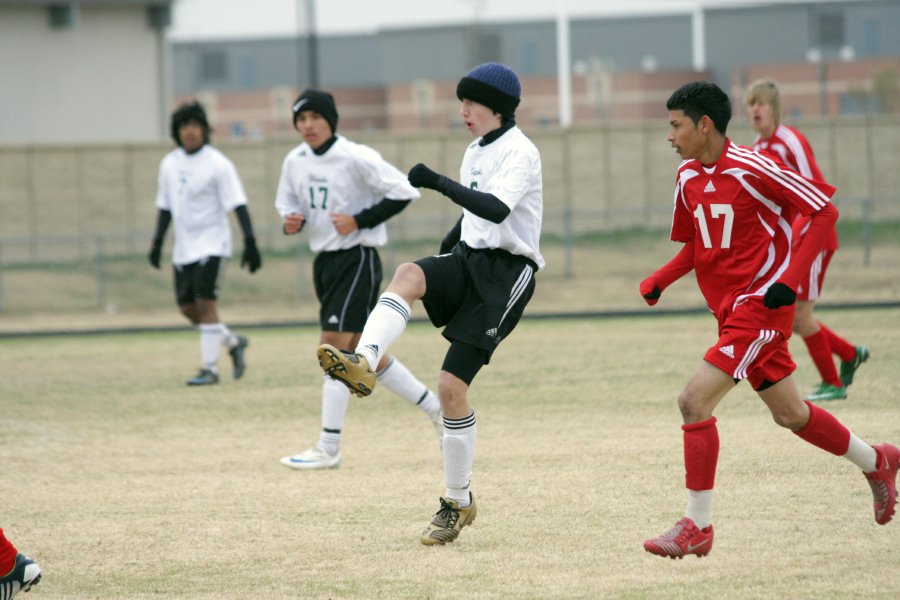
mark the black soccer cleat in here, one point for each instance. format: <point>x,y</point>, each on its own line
<point>237,357</point>
<point>25,574</point>
<point>204,377</point>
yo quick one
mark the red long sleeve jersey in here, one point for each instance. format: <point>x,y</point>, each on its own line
<point>794,150</point>
<point>737,212</point>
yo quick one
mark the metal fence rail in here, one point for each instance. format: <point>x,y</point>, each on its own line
<point>72,209</point>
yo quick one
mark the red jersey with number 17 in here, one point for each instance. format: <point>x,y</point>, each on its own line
<point>737,212</point>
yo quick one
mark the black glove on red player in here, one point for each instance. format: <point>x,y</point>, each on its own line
<point>779,295</point>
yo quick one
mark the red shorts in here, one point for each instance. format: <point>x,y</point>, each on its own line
<point>810,287</point>
<point>757,355</point>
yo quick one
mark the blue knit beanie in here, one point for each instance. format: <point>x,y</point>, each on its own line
<point>494,85</point>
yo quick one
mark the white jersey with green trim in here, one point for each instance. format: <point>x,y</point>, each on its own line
<point>346,179</point>
<point>199,189</point>
<point>510,169</point>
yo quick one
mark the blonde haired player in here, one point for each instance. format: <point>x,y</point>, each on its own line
<point>763,104</point>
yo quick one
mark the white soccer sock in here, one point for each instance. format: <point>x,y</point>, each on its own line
<point>459,452</point>
<point>335,398</point>
<point>400,380</point>
<point>699,507</point>
<point>229,340</point>
<point>330,442</point>
<point>210,340</point>
<point>861,454</point>
<point>385,324</point>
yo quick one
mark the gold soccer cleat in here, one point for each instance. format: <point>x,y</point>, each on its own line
<point>448,521</point>
<point>350,369</point>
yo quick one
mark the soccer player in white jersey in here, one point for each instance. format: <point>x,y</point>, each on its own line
<point>341,193</point>
<point>792,148</point>
<point>733,214</point>
<point>477,288</point>
<point>198,187</point>
<point>17,571</point>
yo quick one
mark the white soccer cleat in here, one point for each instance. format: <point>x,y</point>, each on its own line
<point>314,458</point>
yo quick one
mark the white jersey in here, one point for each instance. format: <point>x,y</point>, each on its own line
<point>199,189</point>
<point>346,179</point>
<point>510,169</point>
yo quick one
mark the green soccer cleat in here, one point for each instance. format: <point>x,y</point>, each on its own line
<point>825,392</point>
<point>448,521</point>
<point>350,369</point>
<point>849,367</point>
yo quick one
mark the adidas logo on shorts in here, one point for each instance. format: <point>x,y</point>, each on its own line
<point>727,351</point>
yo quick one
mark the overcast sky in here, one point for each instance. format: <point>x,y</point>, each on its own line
<point>209,19</point>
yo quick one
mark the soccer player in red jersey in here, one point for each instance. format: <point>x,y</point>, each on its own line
<point>733,213</point>
<point>792,148</point>
<point>17,571</point>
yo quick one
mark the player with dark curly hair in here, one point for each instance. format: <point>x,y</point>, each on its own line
<point>198,186</point>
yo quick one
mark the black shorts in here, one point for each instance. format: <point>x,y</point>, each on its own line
<point>479,295</point>
<point>347,285</point>
<point>198,280</point>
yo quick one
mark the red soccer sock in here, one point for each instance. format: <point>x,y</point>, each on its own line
<point>7,555</point>
<point>820,351</point>
<point>701,454</point>
<point>844,349</point>
<point>825,431</point>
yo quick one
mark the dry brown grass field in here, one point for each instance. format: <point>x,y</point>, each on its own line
<point>125,484</point>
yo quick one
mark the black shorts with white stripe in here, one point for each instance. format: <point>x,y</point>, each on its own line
<point>347,284</point>
<point>477,295</point>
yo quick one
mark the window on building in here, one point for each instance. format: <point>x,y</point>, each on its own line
<point>870,38</point>
<point>528,58</point>
<point>485,47</point>
<point>830,29</point>
<point>62,16</point>
<point>213,66</point>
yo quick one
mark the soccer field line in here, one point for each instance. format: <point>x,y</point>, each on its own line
<point>573,315</point>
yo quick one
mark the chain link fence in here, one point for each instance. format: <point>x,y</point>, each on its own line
<point>77,220</point>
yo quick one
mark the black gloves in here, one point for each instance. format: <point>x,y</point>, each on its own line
<point>779,295</point>
<point>251,259</point>
<point>154,254</point>
<point>421,176</point>
<point>650,291</point>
